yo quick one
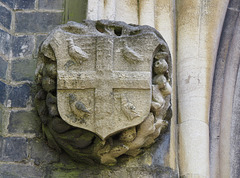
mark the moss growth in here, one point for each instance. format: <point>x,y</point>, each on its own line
<point>51,141</point>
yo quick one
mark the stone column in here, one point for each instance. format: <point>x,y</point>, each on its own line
<point>199,28</point>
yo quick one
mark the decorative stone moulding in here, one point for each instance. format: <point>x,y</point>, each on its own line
<point>103,89</point>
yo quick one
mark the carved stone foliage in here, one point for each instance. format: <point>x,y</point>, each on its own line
<point>103,89</point>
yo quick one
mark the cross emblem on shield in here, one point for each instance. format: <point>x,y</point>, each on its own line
<point>104,82</point>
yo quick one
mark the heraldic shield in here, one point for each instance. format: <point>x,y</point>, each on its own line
<point>104,76</point>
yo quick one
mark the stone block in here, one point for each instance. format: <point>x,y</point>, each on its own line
<point>3,68</point>
<point>14,149</point>
<point>19,95</point>
<point>5,41</point>
<point>5,17</point>
<point>46,21</point>
<point>20,170</point>
<point>39,40</point>
<point>23,70</point>
<point>41,153</point>
<point>22,46</point>
<point>24,122</point>
<point>50,4</point>
<point>1,118</point>
<point>19,4</point>
<point>1,143</point>
<point>2,92</point>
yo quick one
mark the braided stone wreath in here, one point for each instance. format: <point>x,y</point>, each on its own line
<point>84,145</point>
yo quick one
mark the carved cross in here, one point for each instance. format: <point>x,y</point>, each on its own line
<point>104,79</point>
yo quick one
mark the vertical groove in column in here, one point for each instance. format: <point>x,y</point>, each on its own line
<point>127,11</point>
<point>110,9</point>
<point>92,10</point>
<point>101,9</point>
<point>146,12</point>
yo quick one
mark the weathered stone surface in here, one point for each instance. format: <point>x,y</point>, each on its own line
<point>5,40</point>
<point>223,127</point>
<point>217,91</point>
<point>3,68</point>
<point>60,126</point>
<point>24,122</point>
<point>106,79</point>
<point>160,150</point>
<point>50,4</point>
<point>77,138</point>
<point>1,145</point>
<point>14,149</point>
<point>23,70</point>
<point>235,131</point>
<point>128,135</point>
<point>73,173</point>
<point>48,84</point>
<point>5,17</point>
<point>3,91</point>
<point>26,22</point>
<point>39,40</point>
<point>50,70</point>
<point>234,4</point>
<point>98,70</point>
<point>19,95</point>
<point>157,96</point>
<point>41,95</point>
<point>115,172</point>
<point>1,118</point>
<point>22,45</point>
<point>41,153</point>
<point>20,170</point>
<point>51,102</point>
<point>19,4</point>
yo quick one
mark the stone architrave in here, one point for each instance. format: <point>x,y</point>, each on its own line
<point>104,79</point>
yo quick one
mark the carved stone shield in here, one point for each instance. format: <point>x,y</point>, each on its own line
<point>103,89</point>
<point>104,76</point>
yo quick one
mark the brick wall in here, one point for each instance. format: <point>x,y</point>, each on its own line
<point>23,26</point>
